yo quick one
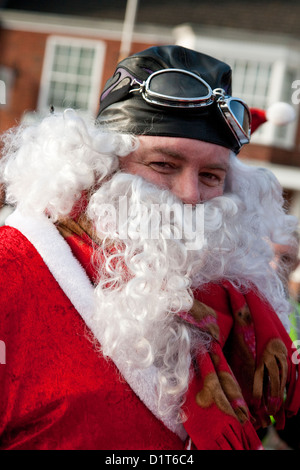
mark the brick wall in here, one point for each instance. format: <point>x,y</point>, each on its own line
<point>24,52</point>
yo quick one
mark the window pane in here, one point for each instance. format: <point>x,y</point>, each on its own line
<point>72,70</point>
<point>56,94</point>
<point>251,81</point>
<point>61,58</point>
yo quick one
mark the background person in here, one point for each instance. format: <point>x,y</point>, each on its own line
<point>286,262</point>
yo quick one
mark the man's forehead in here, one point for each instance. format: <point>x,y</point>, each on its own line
<point>183,149</point>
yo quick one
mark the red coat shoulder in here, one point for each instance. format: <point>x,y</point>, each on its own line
<point>18,261</point>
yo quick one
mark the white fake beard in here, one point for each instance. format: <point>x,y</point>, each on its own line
<point>144,283</point>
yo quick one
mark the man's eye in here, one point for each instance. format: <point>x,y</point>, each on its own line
<point>161,165</point>
<point>211,179</point>
<point>210,176</point>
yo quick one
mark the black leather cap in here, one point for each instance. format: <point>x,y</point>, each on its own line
<point>122,111</point>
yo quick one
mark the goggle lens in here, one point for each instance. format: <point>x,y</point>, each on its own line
<point>241,114</point>
<point>179,85</point>
<point>237,117</point>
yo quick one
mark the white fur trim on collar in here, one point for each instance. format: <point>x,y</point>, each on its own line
<point>73,280</point>
<point>59,259</point>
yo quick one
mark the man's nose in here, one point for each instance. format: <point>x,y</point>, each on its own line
<point>187,188</point>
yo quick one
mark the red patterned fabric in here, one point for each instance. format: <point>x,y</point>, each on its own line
<point>249,373</point>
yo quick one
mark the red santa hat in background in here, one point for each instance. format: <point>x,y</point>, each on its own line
<point>279,114</point>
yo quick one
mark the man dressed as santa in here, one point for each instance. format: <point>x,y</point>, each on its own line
<point>138,306</point>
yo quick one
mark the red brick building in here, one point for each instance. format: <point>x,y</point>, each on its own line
<point>42,55</point>
<point>62,55</point>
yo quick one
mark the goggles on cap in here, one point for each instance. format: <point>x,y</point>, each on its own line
<point>186,90</point>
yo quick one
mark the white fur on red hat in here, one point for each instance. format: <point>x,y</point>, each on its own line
<point>279,113</point>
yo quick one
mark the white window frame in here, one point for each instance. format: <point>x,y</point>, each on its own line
<point>282,59</point>
<point>94,79</point>
<point>7,78</point>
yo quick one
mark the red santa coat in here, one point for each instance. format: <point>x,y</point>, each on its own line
<point>57,392</point>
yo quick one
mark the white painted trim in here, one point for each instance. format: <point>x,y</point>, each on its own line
<point>76,26</point>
